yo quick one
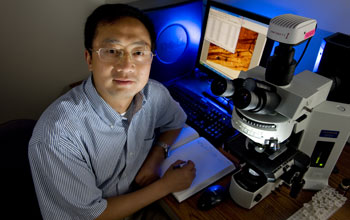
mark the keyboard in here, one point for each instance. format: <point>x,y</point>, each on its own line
<point>322,205</point>
<point>206,118</point>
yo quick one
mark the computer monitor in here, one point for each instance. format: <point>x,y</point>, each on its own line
<point>232,40</point>
<point>178,36</point>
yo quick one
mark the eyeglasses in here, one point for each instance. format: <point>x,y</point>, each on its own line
<point>113,55</point>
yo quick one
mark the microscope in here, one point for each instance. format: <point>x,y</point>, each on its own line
<point>290,133</point>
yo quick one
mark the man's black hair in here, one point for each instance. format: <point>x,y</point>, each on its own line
<point>109,13</point>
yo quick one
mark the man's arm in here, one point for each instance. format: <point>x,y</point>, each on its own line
<point>149,171</point>
<point>148,177</point>
<point>173,180</point>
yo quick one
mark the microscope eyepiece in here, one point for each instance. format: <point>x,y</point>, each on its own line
<point>256,97</point>
<point>225,87</point>
<point>246,100</point>
<point>248,94</point>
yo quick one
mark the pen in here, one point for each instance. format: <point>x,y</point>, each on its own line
<point>180,165</point>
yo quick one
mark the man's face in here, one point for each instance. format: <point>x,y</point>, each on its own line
<point>125,78</point>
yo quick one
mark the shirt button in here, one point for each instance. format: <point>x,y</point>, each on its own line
<point>111,126</point>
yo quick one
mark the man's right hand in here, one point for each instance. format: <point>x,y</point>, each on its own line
<point>177,179</point>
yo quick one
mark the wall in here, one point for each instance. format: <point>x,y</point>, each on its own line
<point>42,52</point>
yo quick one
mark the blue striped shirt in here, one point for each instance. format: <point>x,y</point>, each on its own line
<point>82,151</point>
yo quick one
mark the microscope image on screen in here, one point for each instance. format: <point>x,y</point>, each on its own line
<point>232,41</point>
<point>240,58</point>
<point>290,133</point>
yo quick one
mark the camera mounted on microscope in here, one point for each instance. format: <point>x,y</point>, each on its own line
<point>289,30</point>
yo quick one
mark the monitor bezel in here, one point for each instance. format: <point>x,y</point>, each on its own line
<point>257,17</point>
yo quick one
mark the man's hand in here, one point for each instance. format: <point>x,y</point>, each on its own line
<point>177,179</point>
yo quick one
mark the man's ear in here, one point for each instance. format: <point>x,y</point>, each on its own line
<point>88,59</point>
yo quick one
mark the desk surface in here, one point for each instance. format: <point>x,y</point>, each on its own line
<point>277,205</point>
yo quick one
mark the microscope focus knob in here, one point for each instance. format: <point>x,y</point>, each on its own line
<point>258,197</point>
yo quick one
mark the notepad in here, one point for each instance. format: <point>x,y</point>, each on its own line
<point>211,164</point>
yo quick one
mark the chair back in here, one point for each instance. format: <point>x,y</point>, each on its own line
<point>18,191</point>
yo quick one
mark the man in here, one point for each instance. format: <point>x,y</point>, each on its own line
<point>97,141</point>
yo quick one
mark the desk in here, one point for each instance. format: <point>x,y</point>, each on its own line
<point>278,205</point>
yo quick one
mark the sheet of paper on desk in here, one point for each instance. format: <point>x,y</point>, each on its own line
<point>211,165</point>
<point>186,135</point>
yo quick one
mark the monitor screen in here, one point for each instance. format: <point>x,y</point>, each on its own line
<point>232,40</point>
<point>178,36</point>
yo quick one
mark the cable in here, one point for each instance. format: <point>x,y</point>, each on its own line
<point>307,44</point>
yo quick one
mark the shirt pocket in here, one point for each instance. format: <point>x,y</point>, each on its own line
<point>150,136</point>
<point>148,141</point>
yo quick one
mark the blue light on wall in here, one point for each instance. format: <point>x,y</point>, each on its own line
<point>319,56</point>
<point>178,31</point>
<point>172,43</point>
